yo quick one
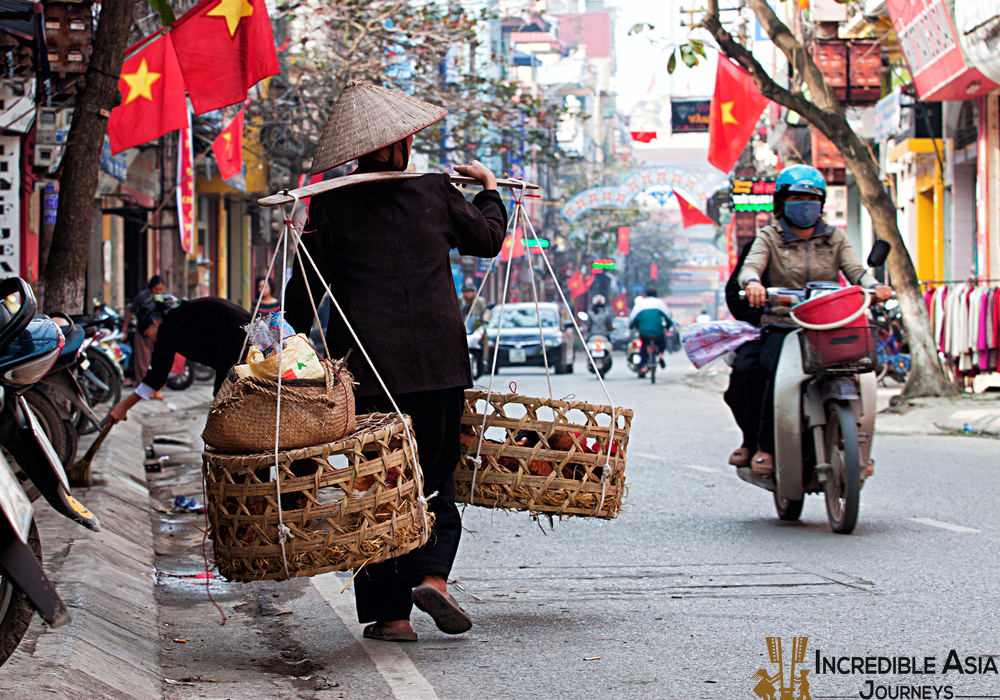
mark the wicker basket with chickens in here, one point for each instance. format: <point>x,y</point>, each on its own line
<point>549,456</point>
<point>342,504</point>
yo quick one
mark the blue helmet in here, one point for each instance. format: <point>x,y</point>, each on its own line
<point>800,178</point>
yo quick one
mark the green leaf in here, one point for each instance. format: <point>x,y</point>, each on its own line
<point>672,63</point>
<point>687,55</point>
<point>640,27</point>
<point>166,14</point>
<point>699,47</point>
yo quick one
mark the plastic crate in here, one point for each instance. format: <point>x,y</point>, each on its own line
<point>848,350</point>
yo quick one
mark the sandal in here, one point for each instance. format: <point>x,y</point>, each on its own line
<point>763,465</point>
<point>740,457</point>
<point>378,632</point>
<point>448,615</point>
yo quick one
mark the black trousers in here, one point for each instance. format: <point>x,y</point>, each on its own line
<point>382,591</point>
<point>750,395</point>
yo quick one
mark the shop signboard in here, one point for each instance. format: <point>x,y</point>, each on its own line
<point>689,116</point>
<point>888,111</point>
<point>753,195</point>
<point>929,42</point>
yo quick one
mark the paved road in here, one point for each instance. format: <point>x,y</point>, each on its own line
<point>672,600</point>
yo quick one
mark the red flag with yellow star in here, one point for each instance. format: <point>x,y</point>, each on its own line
<point>513,246</point>
<point>690,214</point>
<point>224,47</point>
<point>228,147</point>
<point>153,101</point>
<point>736,107</point>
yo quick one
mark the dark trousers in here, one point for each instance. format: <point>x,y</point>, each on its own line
<point>750,395</point>
<point>746,387</point>
<point>382,591</point>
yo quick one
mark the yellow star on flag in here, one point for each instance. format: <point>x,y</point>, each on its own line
<point>727,113</point>
<point>228,138</point>
<point>233,11</point>
<point>140,82</point>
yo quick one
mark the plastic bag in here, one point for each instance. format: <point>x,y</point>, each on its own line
<point>298,361</point>
<point>710,340</point>
<point>267,330</point>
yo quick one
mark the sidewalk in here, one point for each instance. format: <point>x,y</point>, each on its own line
<point>106,578</point>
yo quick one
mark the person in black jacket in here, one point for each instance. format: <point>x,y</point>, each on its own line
<point>209,331</point>
<point>383,247</point>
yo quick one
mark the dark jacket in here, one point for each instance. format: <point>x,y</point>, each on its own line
<point>208,331</point>
<point>383,247</point>
<point>739,307</point>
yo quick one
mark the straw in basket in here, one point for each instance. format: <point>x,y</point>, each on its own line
<point>360,507</point>
<point>558,457</point>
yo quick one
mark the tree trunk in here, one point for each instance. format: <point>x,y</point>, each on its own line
<point>822,110</point>
<point>64,271</point>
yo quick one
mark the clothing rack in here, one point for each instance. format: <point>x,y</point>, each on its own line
<point>967,280</point>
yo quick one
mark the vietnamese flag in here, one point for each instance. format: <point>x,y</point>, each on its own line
<point>224,47</point>
<point>153,102</point>
<point>620,304</point>
<point>690,214</point>
<point>736,106</point>
<point>513,246</point>
<point>575,285</point>
<point>228,147</point>
<point>643,136</point>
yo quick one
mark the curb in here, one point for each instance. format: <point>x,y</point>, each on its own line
<point>106,579</point>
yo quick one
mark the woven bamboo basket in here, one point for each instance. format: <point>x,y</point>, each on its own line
<point>362,509</point>
<point>563,466</point>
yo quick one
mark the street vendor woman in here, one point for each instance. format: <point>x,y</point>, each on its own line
<point>209,331</point>
<point>384,247</point>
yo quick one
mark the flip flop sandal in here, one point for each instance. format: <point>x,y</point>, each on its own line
<point>740,457</point>
<point>763,466</point>
<point>376,631</point>
<point>448,615</point>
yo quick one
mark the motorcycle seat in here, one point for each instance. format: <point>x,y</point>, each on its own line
<point>74,339</point>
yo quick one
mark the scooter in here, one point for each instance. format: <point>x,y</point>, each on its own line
<point>642,358</point>
<point>29,468</point>
<point>824,407</point>
<point>599,347</point>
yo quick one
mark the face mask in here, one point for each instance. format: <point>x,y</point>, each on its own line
<point>803,214</point>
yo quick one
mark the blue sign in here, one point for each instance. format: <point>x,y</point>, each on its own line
<point>115,166</point>
<point>459,277</point>
<point>888,111</point>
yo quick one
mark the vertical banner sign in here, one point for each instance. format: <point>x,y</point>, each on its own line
<point>623,234</point>
<point>185,189</point>
<point>654,271</point>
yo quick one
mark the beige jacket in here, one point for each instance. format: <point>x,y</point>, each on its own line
<point>791,261</point>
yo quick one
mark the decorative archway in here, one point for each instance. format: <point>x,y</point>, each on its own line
<point>620,196</point>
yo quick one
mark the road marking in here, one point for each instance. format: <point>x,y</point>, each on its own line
<point>390,660</point>
<point>944,525</point>
<point>660,458</point>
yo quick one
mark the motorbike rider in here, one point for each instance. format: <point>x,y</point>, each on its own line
<point>651,318</point>
<point>474,303</point>
<point>600,322</point>
<point>209,331</point>
<point>800,248</point>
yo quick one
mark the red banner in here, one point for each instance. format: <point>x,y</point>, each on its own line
<point>623,235</point>
<point>654,271</point>
<point>185,190</point>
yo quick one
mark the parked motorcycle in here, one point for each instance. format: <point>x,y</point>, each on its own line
<point>30,345</point>
<point>100,373</point>
<point>824,405</point>
<point>892,353</point>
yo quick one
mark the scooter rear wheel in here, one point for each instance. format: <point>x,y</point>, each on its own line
<point>843,483</point>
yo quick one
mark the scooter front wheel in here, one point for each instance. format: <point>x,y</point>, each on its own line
<point>787,509</point>
<point>843,483</point>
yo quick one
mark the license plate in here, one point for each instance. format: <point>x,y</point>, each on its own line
<point>598,353</point>
<point>14,502</point>
<point>516,355</point>
<point>43,440</point>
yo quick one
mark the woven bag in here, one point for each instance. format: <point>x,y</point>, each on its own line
<point>313,412</point>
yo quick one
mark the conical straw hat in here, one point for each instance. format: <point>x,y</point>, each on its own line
<point>367,117</point>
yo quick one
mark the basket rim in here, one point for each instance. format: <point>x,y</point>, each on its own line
<point>389,424</point>
<point>551,403</point>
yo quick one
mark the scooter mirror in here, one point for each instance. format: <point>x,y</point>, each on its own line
<point>880,251</point>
